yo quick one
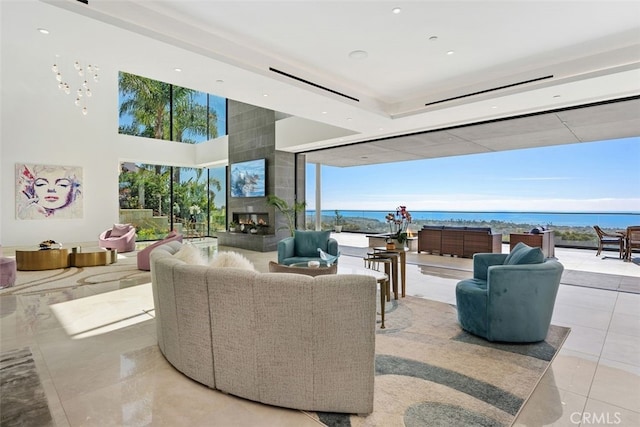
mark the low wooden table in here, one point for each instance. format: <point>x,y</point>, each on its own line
<point>42,259</point>
<point>92,258</point>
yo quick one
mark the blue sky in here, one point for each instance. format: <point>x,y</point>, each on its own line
<point>587,177</point>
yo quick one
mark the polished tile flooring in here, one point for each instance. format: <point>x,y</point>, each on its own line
<point>92,378</point>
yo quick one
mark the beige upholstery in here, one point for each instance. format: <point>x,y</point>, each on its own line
<point>282,339</point>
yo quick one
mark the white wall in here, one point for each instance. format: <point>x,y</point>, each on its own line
<point>41,125</point>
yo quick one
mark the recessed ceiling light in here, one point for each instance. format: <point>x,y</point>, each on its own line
<point>177,69</point>
<point>358,54</point>
<point>324,112</point>
<point>265,94</point>
<point>433,38</point>
<point>494,107</point>
<point>349,119</point>
<point>557,96</point>
<point>450,52</point>
<point>43,31</point>
<point>396,10</point>
<point>364,157</point>
<point>219,81</point>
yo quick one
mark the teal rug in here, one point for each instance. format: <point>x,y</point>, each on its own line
<point>429,372</point>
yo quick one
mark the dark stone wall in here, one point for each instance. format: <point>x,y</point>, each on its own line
<point>252,136</point>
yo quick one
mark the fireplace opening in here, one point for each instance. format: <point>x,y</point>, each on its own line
<point>247,221</point>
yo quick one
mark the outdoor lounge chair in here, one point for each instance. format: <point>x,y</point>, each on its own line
<point>605,238</point>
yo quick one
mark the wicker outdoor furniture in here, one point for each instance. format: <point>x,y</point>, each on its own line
<point>632,241</point>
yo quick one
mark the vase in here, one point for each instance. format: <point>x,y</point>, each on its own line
<point>395,244</point>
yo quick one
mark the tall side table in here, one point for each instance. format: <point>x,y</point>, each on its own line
<point>402,252</point>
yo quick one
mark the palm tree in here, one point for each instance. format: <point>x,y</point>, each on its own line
<point>147,101</point>
<point>288,211</point>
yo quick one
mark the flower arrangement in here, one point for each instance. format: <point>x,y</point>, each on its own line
<point>398,223</point>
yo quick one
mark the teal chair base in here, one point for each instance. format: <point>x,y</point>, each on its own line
<point>508,303</point>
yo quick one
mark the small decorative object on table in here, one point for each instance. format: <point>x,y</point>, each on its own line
<point>328,258</point>
<point>398,225</point>
<point>50,244</point>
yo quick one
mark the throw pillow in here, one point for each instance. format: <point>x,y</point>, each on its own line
<point>307,242</point>
<point>119,230</point>
<point>524,254</point>
<point>233,260</point>
<point>190,254</point>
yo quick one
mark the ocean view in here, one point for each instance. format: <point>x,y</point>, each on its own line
<point>609,220</point>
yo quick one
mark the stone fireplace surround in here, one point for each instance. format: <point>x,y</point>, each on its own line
<point>251,133</point>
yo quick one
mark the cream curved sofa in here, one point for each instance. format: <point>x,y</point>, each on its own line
<point>282,339</point>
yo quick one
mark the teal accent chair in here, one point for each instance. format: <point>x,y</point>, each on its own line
<point>511,296</point>
<point>304,245</point>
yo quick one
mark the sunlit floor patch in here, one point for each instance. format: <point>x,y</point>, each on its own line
<point>98,314</point>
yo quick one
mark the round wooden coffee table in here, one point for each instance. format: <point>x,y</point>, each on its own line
<point>92,258</point>
<point>42,259</point>
<point>303,268</point>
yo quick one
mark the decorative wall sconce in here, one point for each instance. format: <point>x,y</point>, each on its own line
<point>78,82</point>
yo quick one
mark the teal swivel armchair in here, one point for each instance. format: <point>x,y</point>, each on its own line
<point>304,245</point>
<point>511,296</point>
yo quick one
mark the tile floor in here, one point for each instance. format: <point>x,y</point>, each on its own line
<point>120,378</point>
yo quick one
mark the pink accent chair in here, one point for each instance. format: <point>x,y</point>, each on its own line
<point>7,271</point>
<point>121,237</point>
<point>143,255</point>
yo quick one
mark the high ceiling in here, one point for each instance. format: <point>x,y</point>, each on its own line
<point>370,74</point>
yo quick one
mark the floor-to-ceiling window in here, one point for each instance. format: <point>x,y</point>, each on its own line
<point>159,198</point>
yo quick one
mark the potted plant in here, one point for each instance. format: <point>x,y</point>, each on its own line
<point>232,226</point>
<point>338,226</point>
<point>398,225</point>
<point>288,211</point>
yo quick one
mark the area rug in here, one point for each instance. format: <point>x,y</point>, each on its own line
<point>22,397</point>
<point>34,282</point>
<point>429,372</point>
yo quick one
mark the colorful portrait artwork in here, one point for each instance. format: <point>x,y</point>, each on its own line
<point>48,192</point>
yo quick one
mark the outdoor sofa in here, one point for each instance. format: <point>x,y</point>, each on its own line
<point>458,241</point>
